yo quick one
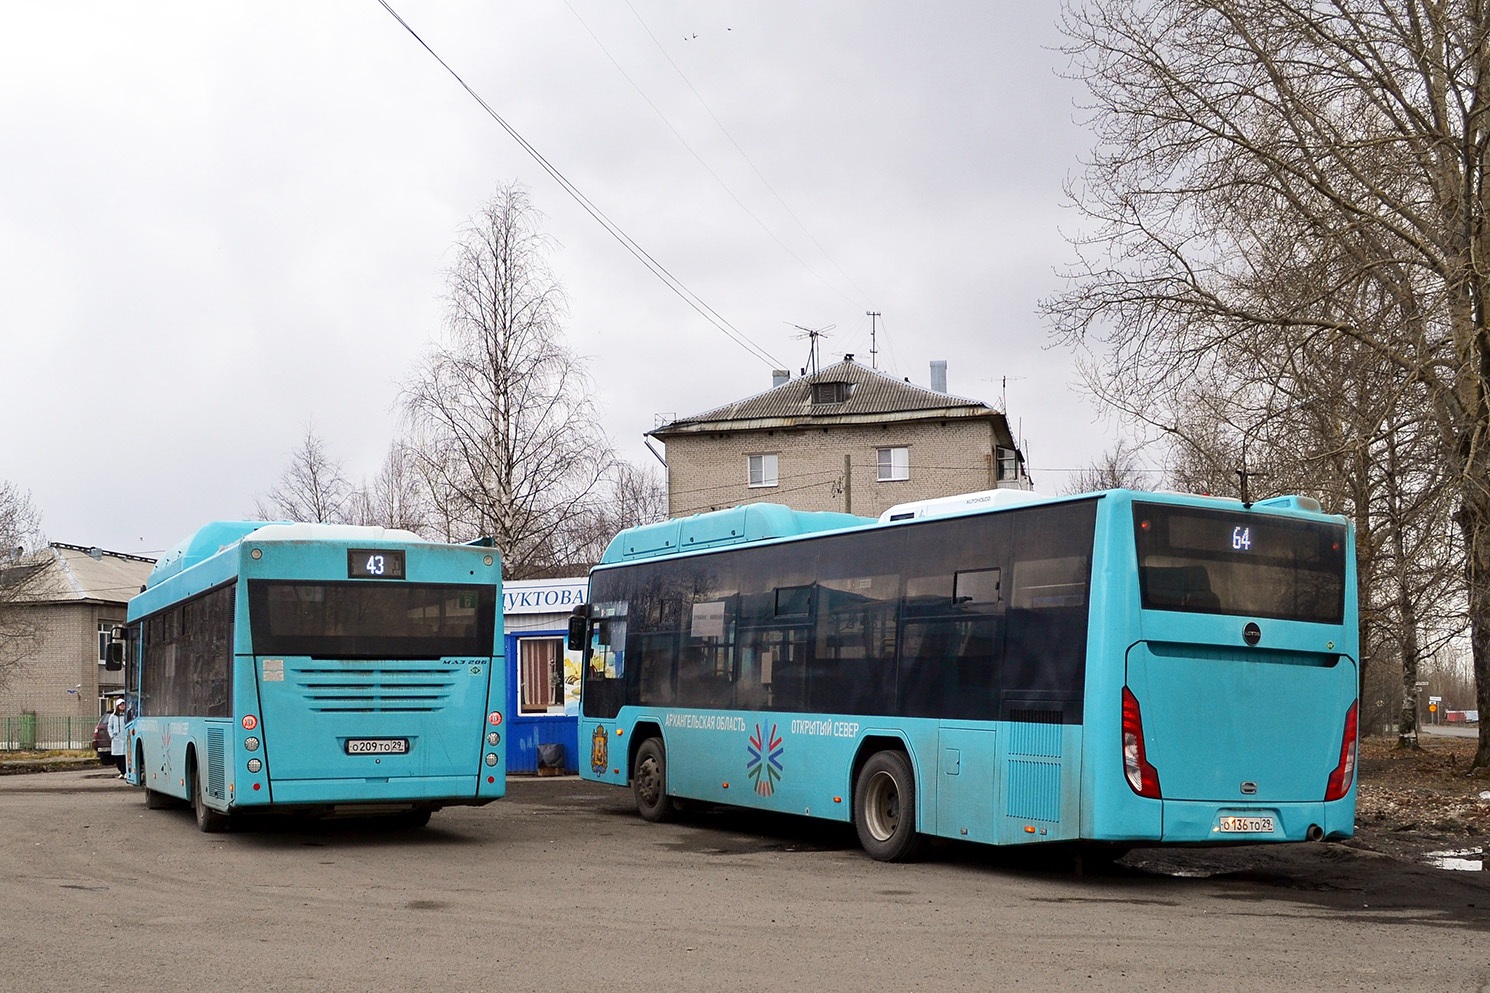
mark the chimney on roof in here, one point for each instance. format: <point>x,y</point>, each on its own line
<point>939,375</point>
<point>779,377</point>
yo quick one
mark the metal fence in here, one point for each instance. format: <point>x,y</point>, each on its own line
<point>34,732</point>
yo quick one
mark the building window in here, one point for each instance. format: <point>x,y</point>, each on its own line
<point>540,675</point>
<point>762,470</point>
<point>1008,463</point>
<point>831,392</point>
<point>893,463</point>
<point>105,635</point>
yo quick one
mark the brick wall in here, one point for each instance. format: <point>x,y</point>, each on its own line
<point>710,472</point>
<point>65,658</point>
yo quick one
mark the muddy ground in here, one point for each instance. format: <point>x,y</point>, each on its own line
<point>1410,802</point>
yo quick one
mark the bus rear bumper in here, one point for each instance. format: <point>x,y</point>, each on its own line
<point>420,790</point>
<point>1257,823</point>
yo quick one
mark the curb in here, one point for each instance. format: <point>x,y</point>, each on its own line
<point>17,767</point>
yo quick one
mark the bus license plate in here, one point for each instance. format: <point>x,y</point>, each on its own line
<point>377,746</point>
<point>1247,825</point>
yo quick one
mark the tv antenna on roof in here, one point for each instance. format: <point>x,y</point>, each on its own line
<point>812,335</point>
<point>1003,382</point>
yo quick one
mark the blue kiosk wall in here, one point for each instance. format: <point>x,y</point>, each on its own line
<point>542,679</point>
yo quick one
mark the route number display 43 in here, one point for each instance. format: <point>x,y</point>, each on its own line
<point>375,563</point>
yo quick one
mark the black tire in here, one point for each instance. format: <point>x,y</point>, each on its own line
<point>649,782</point>
<point>409,820</point>
<point>1099,856</point>
<point>885,808</point>
<point>208,820</point>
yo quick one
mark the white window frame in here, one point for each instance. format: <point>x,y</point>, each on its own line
<point>557,670</point>
<point>756,474</point>
<point>105,635</point>
<point>892,469</point>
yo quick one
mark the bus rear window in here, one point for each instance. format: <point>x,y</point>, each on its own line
<point>361,620</point>
<point>1239,562</point>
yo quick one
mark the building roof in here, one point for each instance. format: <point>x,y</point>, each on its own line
<point>74,574</point>
<point>872,396</point>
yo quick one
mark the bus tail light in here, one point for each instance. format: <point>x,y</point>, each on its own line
<point>1344,773</point>
<point>1142,777</point>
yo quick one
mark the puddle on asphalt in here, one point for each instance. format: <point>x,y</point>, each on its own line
<point>1471,859</point>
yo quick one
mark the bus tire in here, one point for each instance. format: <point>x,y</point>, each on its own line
<point>410,820</point>
<point>649,782</point>
<point>208,820</point>
<point>885,808</point>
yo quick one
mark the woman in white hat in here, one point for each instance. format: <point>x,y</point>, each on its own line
<point>116,724</point>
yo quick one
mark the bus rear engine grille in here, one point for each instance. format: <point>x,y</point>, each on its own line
<point>376,690</point>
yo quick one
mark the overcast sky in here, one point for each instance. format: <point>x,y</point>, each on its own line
<point>222,222</point>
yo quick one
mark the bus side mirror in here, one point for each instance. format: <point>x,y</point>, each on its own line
<point>578,620</point>
<point>114,656</point>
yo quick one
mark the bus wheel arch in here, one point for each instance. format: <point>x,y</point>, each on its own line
<point>154,799</point>
<point>884,801</point>
<point>648,759</point>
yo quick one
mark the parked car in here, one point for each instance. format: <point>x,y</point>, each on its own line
<point>101,741</point>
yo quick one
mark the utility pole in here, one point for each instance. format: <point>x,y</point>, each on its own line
<point>873,315</point>
<point>848,484</point>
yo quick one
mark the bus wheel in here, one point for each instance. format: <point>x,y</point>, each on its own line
<point>885,808</point>
<point>409,820</point>
<point>649,782</point>
<point>209,820</point>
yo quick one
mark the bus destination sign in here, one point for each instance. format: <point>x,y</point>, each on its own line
<point>375,563</point>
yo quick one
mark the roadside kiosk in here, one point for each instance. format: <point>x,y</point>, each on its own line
<point>543,683</point>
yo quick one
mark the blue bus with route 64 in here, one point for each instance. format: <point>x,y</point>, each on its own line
<point>1115,669</point>
<point>320,669</point>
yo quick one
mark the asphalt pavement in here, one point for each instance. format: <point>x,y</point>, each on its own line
<point>561,887</point>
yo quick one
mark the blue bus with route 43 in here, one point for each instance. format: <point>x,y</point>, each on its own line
<point>319,669</point>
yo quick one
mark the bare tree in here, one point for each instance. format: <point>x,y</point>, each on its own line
<point>636,495</point>
<point>20,574</point>
<point>397,497</point>
<point>1306,174</point>
<point>1117,469</point>
<point>312,489</point>
<point>500,411</point>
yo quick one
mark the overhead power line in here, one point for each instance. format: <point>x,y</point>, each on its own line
<point>656,268</point>
<point>750,162</point>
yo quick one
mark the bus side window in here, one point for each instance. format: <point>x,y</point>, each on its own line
<point>1046,631</point>
<point>608,648</point>
<point>706,660</point>
<point>605,685</point>
<point>1042,584</point>
<point>976,587</point>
